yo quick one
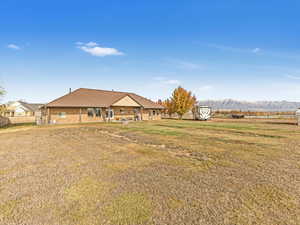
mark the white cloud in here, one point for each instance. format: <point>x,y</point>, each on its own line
<point>225,48</point>
<point>256,50</point>
<point>165,81</point>
<point>175,82</point>
<point>91,44</point>
<point>234,49</point>
<point>13,46</point>
<point>181,64</point>
<point>159,78</point>
<point>188,65</point>
<point>94,49</point>
<point>205,88</point>
<point>286,55</point>
<point>293,77</point>
<point>100,51</point>
<point>79,43</point>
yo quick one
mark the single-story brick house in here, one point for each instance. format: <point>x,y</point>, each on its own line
<point>91,105</point>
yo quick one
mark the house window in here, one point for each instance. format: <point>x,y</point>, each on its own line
<point>154,112</point>
<point>110,113</point>
<point>122,111</point>
<point>90,112</point>
<point>62,115</point>
<point>98,112</point>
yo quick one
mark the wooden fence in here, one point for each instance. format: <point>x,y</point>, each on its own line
<point>22,119</point>
<point>4,121</point>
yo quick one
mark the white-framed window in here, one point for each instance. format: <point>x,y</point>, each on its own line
<point>62,115</point>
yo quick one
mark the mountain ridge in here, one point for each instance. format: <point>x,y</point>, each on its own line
<point>231,104</point>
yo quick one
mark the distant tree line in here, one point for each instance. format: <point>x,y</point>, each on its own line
<point>181,102</point>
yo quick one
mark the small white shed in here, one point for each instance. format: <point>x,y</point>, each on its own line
<point>202,112</point>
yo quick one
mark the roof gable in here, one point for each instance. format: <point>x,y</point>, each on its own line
<point>32,107</point>
<point>146,103</point>
<point>126,101</point>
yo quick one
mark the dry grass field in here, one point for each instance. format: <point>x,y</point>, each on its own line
<point>166,172</point>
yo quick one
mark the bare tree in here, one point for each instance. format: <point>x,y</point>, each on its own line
<point>2,107</point>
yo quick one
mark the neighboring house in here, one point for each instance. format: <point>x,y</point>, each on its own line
<point>91,105</point>
<point>21,109</point>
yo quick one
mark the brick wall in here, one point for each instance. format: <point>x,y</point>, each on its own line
<point>124,113</point>
<point>22,119</point>
<point>128,113</point>
<point>149,115</point>
<point>77,115</point>
<point>71,115</point>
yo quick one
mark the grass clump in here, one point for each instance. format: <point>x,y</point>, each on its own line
<point>129,209</point>
<point>83,198</point>
<point>155,131</point>
<point>174,203</point>
<point>7,209</point>
<point>87,188</point>
<point>259,202</point>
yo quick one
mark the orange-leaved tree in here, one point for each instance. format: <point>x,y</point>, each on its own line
<point>182,101</point>
<point>169,107</point>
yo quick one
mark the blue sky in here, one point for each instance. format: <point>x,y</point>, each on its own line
<point>246,50</point>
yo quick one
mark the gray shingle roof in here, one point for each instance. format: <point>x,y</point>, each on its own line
<point>31,106</point>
